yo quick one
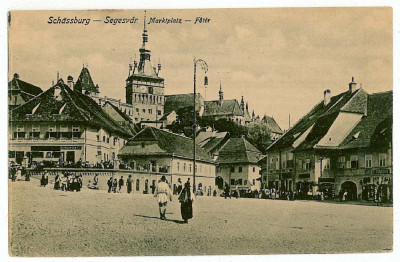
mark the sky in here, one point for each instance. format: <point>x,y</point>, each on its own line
<point>280,59</point>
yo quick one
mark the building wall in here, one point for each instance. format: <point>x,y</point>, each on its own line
<point>87,145</point>
<point>245,174</point>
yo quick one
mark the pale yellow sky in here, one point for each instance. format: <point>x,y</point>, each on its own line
<point>281,60</point>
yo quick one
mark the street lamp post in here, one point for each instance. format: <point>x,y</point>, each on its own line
<point>204,67</point>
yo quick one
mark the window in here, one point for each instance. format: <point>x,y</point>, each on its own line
<point>307,164</point>
<point>98,138</point>
<point>159,112</point>
<point>143,145</point>
<point>177,166</point>
<point>76,132</point>
<point>64,132</point>
<point>35,134</point>
<point>233,169</point>
<point>137,109</point>
<point>150,111</point>
<point>52,132</point>
<point>341,162</point>
<point>327,164</point>
<point>20,129</point>
<point>104,138</point>
<point>254,182</point>
<point>240,181</point>
<point>108,140</point>
<point>184,167</point>
<point>277,163</point>
<point>232,181</point>
<point>300,164</point>
<point>289,162</point>
<point>254,169</point>
<point>283,161</point>
<point>382,160</point>
<point>245,182</point>
<point>190,167</point>
<point>368,161</point>
<point>271,166</point>
<point>99,153</point>
<point>354,162</point>
<point>144,110</point>
<point>240,169</point>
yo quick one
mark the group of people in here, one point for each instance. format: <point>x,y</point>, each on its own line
<point>163,193</point>
<point>113,184</point>
<point>18,173</point>
<point>66,182</point>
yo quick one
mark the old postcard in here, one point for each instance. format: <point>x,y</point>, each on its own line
<point>200,132</point>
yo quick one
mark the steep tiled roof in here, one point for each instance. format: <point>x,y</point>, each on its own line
<point>175,102</point>
<point>167,143</point>
<point>320,110</point>
<point>227,107</point>
<point>120,117</point>
<point>372,126</point>
<point>238,150</point>
<point>59,103</point>
<point>272,124</point>
<point>349,121</point>
<point>211,140</point>
<point>85,81</point>
<point>26,90</point>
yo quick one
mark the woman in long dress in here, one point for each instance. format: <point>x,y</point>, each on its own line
<point>163,193</point>
<point>186,200</point>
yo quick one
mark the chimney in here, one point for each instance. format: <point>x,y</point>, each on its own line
<point>70,81</point>
<point>327,96</point>
<point>352,85</point>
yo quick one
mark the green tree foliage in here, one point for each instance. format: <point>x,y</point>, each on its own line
<point>259,135</point>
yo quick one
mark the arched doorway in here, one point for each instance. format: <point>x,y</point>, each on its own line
<point>351,189</point>
<point>219,182</point>
<point>137,184</point>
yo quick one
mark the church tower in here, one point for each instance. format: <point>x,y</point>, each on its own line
<point>144,88</point>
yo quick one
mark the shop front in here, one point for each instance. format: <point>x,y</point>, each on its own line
<point>326,185</point>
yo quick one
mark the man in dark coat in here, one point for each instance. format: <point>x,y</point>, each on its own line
<point>110,183</point>
<point>227,190</point>
<point>186,200</point>
<point>120,184</point>
<point>129,182</point>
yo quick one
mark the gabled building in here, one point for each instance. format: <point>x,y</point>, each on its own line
<point>156,152</point>
<point>276,131</point>
<point>333,148</point>
<point>238,164</point>
<point>19,92</point>
<point>120,117</point>
<point>181,101</point>
<point>62,125</point>
<point>212,141</point>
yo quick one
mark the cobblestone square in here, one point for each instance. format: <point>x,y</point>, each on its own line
<point>46,222</point>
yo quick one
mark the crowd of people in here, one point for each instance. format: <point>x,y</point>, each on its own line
<point>67,182</point>
<point>18,173</point>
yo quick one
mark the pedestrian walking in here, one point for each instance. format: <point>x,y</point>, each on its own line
<point>110,184</point>
<point>129,182</point>
<point>114,185</point>
<point>163,194</point>
<point>57,181</point>
<point>120,184</point>
<point>227,190</point>
<point>179,188</point>
<point>186,200</point>
<point>237,190</point>
<point>26,174</point>
<point>19,174</point>
<point>45,179</point>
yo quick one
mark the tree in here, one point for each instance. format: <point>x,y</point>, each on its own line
<point>259,134</point>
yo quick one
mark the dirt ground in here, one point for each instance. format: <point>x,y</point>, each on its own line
<point>46,222</point>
